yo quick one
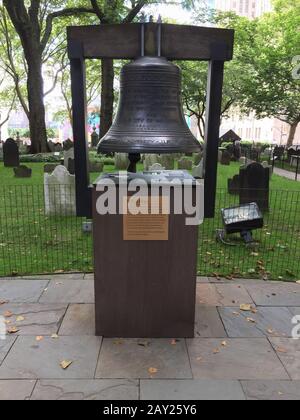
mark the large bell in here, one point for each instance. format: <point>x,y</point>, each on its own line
<point>150,118</point>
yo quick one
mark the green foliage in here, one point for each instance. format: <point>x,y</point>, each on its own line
<point>40,158</point>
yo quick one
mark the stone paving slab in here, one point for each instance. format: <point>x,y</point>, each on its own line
<point>16,390</point>
<point>29,359</point>
<point>5,346</point>
<point>201,390</point>
<point>93,390</point>
<point>79,320</point>
<point>288,350</point>
<point>22,291</point>
<point>272,390</point>
<point>222,295</point>
<point>269,322</point>
<point>287,294</point>
<point>39,319</point>
<point>204,280</point>
<point>208,323</point>
<point>240,359</point>
<point>66,291</point>
<point>132,358</point>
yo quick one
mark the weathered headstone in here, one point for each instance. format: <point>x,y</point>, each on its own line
<point>266,164</point>
<point>58,147</point>
<point>156,167</point>
<point>96,167</point>
<point>51,146</point>
<point>49,168</point>
<point>59,190</point>
<point>167,161</point>
<point>11,156</point>
<point>226,158</point>
<point>220,153</point>
<point>121,161</point>
<point>185,164</point>
<point>197,171</point>
<point>243,160</point>
<point>94,138</point>
<point>71,166</point>
<point>234,185</point>
<point>197,158</point>
<point>254,185</point>
<point>149,160</point>
<point>68,147</point>
<point>22,171</point>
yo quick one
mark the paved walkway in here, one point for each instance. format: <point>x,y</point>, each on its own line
<point>286,174</point>
<point>235,354</point>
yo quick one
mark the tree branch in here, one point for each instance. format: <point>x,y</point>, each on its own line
<point>60,13</point>
<point>135,11</point>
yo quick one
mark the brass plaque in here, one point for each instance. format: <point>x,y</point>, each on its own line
<point>146,227</point>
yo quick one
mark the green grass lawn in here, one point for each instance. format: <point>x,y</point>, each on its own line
<point>32,243</point>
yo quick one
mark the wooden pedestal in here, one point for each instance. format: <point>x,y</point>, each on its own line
<point>144,288</point>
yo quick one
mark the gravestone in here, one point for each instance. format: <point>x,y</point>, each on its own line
<point>226,158</point>
<point>220,153</point>
<point>197,158</point>
<point>57,148</point>
<point>243,160</point>
<point>49,168</point>
<point>197,171</point>
<point>22,171</point>
<point>254,185</point>
<point>149,160</point>
<point>94,138</point>
<point>96,167</point>
<point>11,156</point>
<point>68,148</point>
<point>51,146</point>
<point>156,167</point>
<point>167,161</point>
<point>121,161</point>
<point>266,164</point>
<point>234,185</point>
<point>71,166</point>
<point>185,164</point>
<point>59,193</point>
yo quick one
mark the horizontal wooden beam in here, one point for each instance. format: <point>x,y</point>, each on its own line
<point>179,42</point>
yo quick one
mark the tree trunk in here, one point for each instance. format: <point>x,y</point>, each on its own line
<point>107,96</point>
<point>292,133</point>
<point>35,88</point>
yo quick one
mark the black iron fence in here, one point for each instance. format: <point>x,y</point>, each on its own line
<point>34,239</point>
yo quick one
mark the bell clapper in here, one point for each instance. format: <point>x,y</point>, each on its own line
<point>134,158</point>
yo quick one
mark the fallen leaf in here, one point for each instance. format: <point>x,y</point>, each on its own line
<point>39,338</point>
<point>245,307</point>
<point>216,351</point>
<point>298,282</point>
<point>199,359</point>
<point>65,364</point>
<point>281,350</point>
<point>152,370</point>
<point>12,330</point>
<point>54,336</point>
<point>143,343</point>
<point>20,318</point>
<point>8,314</point>
<point>224,343</point>
<point>251,320</point>
<point>7,322</point>
<point>3,302</point>
<point>270,331</point>
<point>173,342</point>
<point>118,342</point>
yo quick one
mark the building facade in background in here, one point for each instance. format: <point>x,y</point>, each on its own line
<point>248,8</point>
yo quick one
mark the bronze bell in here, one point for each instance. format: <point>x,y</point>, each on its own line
<point>150,117</point>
